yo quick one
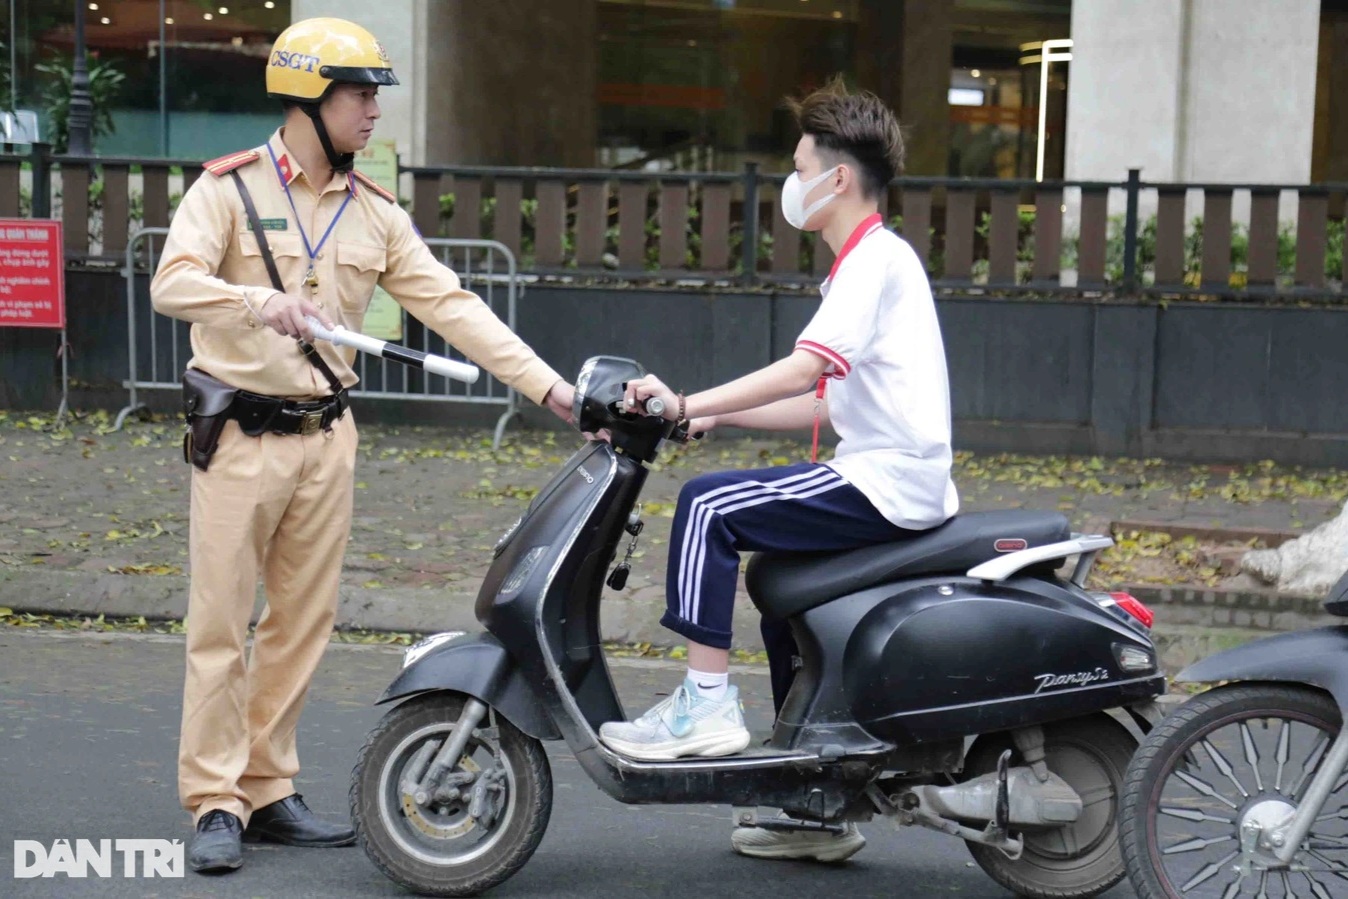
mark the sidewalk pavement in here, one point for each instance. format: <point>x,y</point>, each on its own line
<point>93,522</point>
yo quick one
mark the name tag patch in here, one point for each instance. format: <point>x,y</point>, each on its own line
<point>274,224</point>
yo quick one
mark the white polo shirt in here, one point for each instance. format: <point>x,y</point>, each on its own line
<point>888,393</point>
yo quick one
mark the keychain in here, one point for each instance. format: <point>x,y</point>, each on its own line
<point>618,579</point>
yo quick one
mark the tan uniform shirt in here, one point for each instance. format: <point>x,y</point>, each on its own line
<point>211,274</point>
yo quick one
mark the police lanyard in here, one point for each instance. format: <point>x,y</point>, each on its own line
<point>310,277</point>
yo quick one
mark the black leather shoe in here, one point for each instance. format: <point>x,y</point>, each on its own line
<point>216,846</point>
<point>288,821</point>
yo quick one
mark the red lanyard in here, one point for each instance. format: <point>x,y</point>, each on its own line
<point>818,400</point>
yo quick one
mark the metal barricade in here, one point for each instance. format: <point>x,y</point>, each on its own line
<point>158,346</point>
<point>156,372</point>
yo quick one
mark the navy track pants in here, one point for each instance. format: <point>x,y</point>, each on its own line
<point>804,508</point>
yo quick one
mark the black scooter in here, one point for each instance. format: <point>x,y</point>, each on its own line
<point>951,680</point>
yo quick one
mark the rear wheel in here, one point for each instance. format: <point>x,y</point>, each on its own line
<point>1083,858</point>
<point>479,826</point>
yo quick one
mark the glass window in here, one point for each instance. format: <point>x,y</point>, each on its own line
<point>211,62</point>
<point>996,55</point>
<point>699,84</point>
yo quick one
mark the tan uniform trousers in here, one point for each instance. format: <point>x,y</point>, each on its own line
<point>278,505</point>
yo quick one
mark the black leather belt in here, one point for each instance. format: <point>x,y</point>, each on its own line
<point>256,413</point>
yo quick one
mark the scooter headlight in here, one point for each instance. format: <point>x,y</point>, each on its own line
<point>582,386</point>
<point>599,386</point>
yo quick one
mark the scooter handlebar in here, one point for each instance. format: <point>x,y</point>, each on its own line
<point>653,406</point>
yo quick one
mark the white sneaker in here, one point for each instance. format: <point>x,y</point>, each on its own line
<point>684,724</point>
<point>803,845</point>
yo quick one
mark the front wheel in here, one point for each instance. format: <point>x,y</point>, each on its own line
<point>1233,755</point>
<point>1082,858</point>
<point>472,829</point>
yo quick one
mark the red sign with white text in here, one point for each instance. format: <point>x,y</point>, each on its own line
<point>32,274</point>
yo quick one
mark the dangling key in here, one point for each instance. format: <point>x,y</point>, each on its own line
<point>618,579</point>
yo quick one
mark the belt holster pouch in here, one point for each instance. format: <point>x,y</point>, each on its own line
<point>206,403</point>
<point>255,413</point>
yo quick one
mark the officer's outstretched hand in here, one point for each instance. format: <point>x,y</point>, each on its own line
<point>560,400</point>
<point>284,313</point>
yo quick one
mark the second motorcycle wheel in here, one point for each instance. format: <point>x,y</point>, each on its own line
<point>474,826</point>
<point>1083,858</point>
<point>1235,754</point>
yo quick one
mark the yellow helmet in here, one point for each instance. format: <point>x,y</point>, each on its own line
<point>311,56</point>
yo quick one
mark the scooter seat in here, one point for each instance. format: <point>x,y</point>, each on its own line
<point>785,584</point>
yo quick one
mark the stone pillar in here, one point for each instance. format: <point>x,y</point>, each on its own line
<point>1250,113</point>
<point>509,82</point>
<point>1124,88</point>
<point>904,52</point>
<point>1194,90</point>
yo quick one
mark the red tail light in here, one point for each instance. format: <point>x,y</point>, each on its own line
<point>1135,608</point>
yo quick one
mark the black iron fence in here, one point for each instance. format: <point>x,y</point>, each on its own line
<point>1129,237</point>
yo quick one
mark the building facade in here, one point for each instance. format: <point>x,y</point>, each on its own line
<point>1196,90</point>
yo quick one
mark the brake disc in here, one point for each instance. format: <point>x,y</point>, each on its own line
<point>449,826</point>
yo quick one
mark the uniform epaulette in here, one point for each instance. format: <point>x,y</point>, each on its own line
<point>374,186</point>
<point>229,162</point>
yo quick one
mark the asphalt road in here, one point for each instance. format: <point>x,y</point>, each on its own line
<point>88,734</point>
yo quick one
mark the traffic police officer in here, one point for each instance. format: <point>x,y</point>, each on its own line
<point>279,504</point>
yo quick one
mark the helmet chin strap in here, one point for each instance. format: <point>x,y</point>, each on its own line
<point>340,162</point>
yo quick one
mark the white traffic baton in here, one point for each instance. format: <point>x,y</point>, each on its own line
<point>437,365</point>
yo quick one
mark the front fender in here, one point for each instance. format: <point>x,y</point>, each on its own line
<point>1317,657</point>
<point>478,665</point>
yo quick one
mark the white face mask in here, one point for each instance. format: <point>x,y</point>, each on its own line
<point>794,192</point>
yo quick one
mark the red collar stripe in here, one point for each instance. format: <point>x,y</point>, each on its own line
<point>871,224</point>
